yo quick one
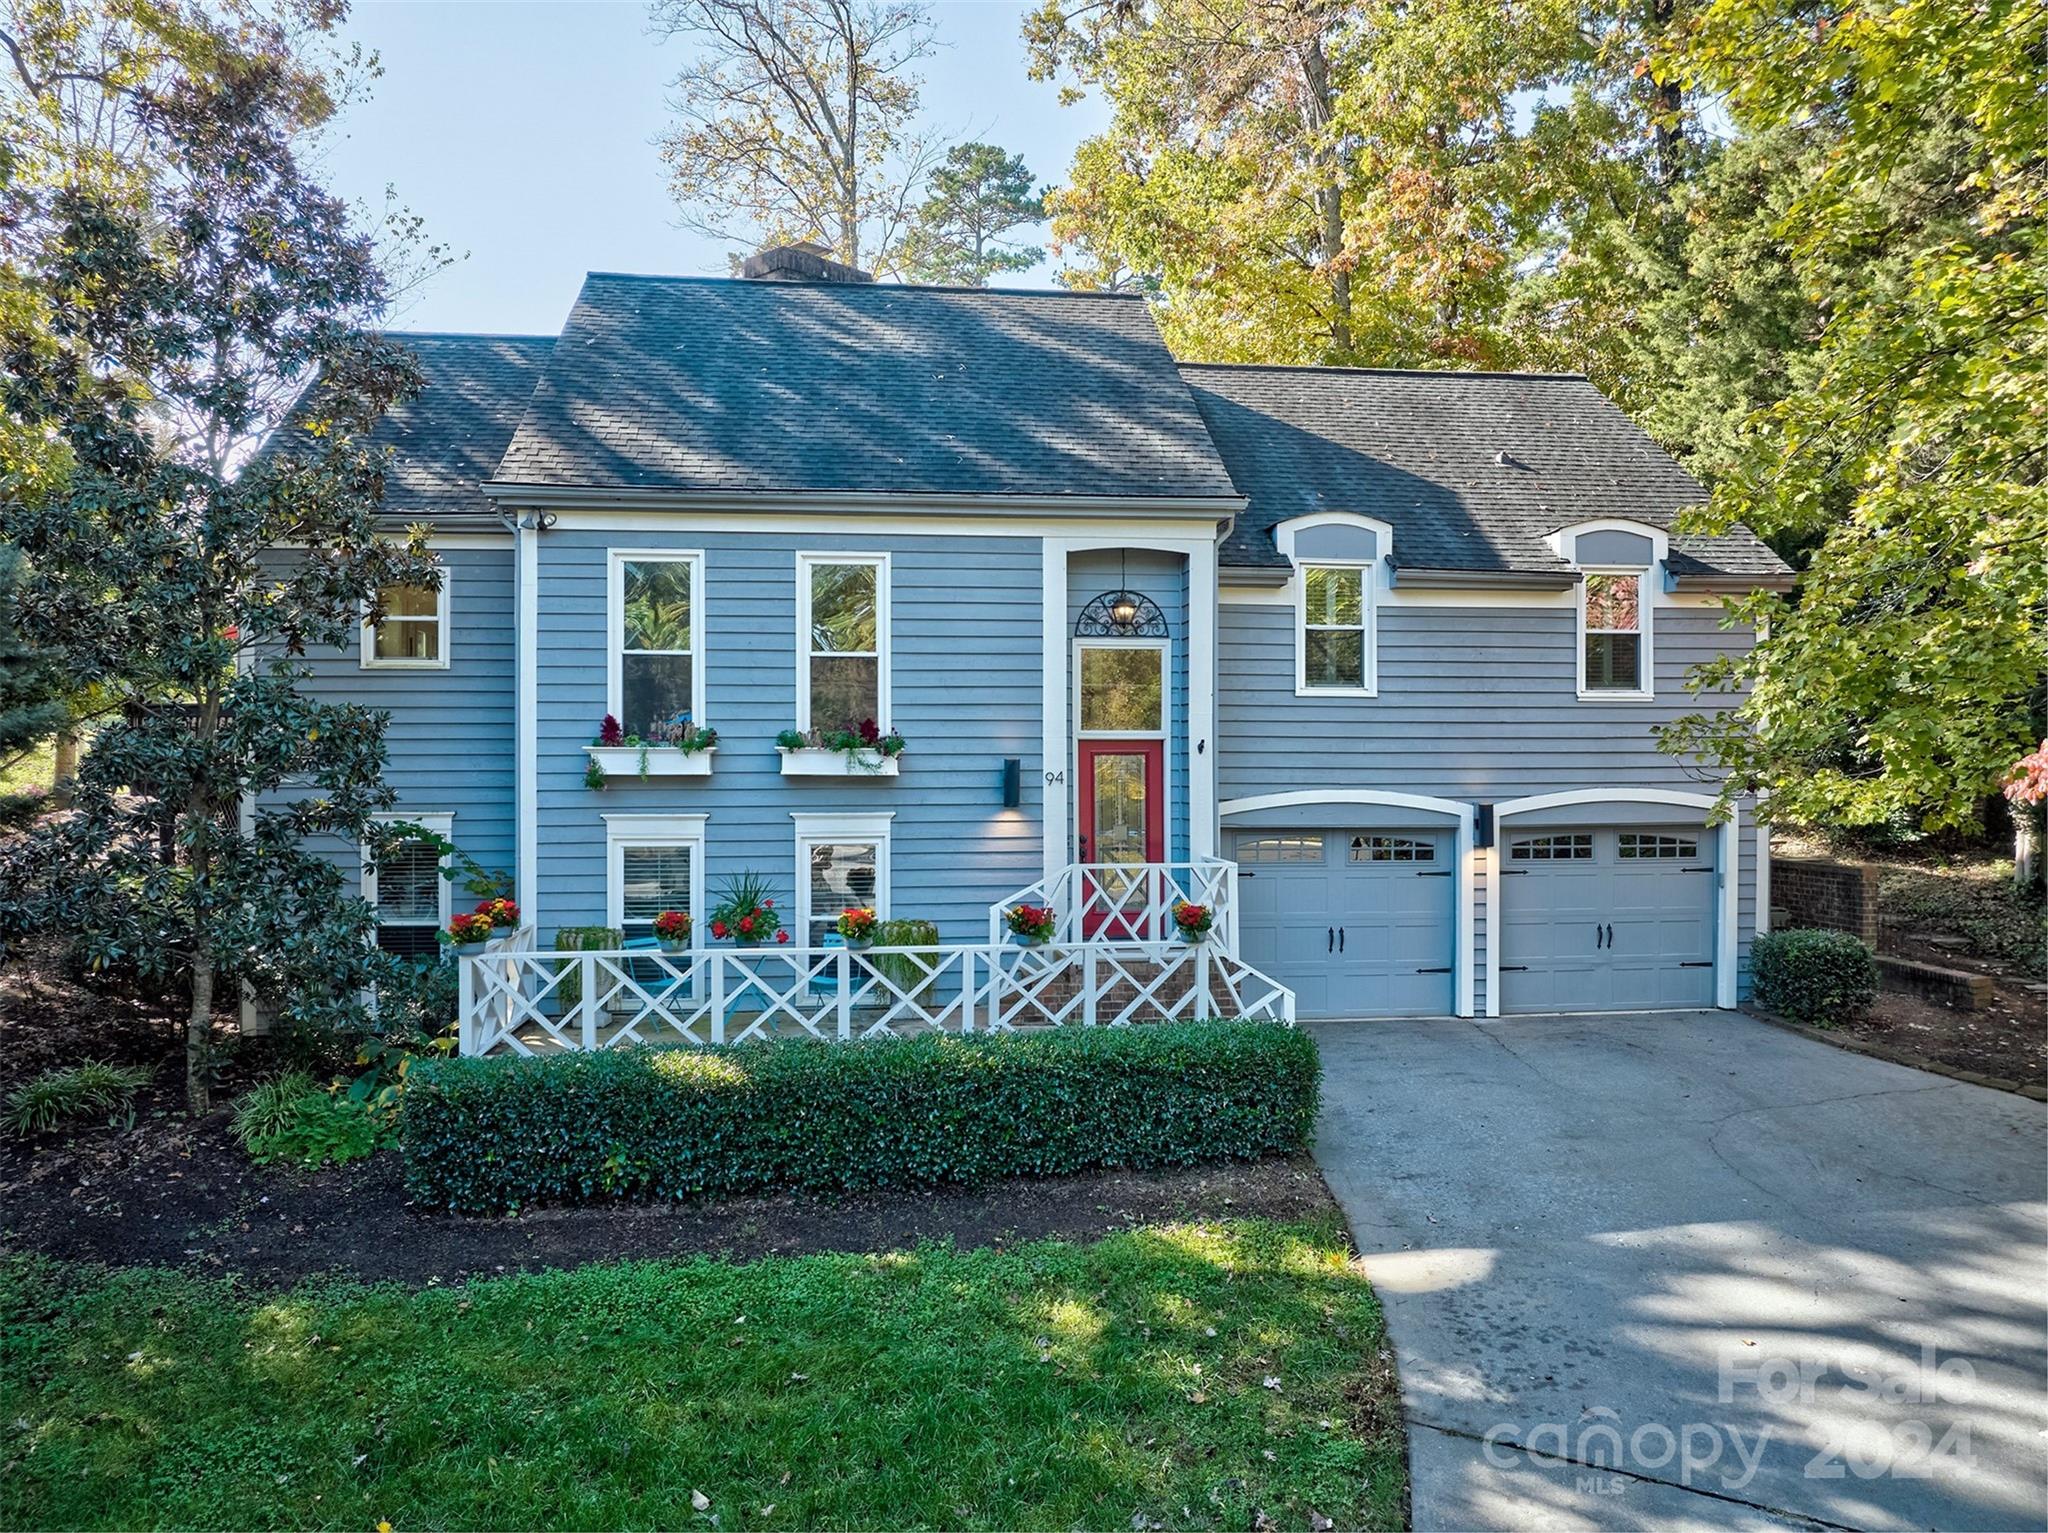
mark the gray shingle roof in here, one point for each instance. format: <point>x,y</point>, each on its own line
<point>448,440</point>
<point>1417,450</point>
<point>706,384</point>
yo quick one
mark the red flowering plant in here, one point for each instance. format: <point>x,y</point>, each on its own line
<point>1193,920</point>
<point>1034,923</point>
<point>745,912</point>
<point>610,732</point>
<point>503,914</point>
<point>465,931</point>
<point>672,927</point>
<point>856,925</point>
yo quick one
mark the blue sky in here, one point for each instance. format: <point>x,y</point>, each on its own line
<point>523,134</point>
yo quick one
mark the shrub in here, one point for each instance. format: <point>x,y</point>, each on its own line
<point>93,1087</point>
<point>484,1135</point>
<point>1818,977</point>
<point>291,1118</point>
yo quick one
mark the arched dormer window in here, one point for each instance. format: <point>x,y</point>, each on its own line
<point>1617,563</point>
<point>1338,558</point>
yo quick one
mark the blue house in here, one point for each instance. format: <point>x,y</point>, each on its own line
<point>1370,660</point>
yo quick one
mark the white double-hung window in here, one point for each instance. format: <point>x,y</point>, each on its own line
<point>656,671</point>
<point>842,676</point>
<point>408,889</point>
<point>653,863</point>
<point>1335,642</point>
<point>412,631</point>
<point>842,862</point>
<point>1612,649</point>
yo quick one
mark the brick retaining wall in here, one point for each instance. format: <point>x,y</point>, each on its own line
<point>1830,896</point>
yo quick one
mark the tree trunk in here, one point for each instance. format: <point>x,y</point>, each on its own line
<point>66,772</point>
<point>199,1036</point>
<point>1667,102</point>
<point>1318,110</point>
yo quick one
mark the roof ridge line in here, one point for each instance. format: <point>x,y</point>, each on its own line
<point>477,335</point>
<point>1396,372</point>
<point>862,287</point>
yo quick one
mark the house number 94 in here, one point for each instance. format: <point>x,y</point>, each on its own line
<point>1054,779</point>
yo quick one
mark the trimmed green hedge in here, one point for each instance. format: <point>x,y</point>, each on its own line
<point>1817,977</point>
<point>487,1135</point>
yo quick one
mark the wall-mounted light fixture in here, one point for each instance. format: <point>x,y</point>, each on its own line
<point>1482,827</point>
<point>1013,782</point>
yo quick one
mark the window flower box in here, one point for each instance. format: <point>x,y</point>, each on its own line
<point>865,752</point>
<point>627,762</point>
<point>817,761</point>
<point>675,747</point>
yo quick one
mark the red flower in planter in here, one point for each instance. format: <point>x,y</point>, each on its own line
<point>611,732</point>
<point>719,928</point>
<point>746,926</point>
<point>782,936</point>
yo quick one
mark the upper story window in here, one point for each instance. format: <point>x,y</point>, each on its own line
<point>1611,634</point>
<point>1336,636</point>
<point>657,663</point>
<point>843,638</point>
<point>1336,557</point>
<point>413,632</point>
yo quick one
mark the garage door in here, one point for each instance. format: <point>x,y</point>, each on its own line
<point>1607,919</point>
<point>1356,923</point>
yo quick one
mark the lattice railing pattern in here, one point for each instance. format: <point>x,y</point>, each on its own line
<point>1130,902</point>
<point>527,1001</point>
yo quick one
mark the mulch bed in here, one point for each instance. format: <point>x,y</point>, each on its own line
<point>173,1191</point>
<point>2007,1039</point>
<point>176,1193</point>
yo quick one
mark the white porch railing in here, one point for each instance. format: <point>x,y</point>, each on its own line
<point>1129,902</point>
<point>528,1001</point>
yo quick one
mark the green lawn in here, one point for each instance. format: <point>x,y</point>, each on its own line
<point>1192,1376</point>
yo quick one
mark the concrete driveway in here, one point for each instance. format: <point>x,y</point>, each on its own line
<point>1692,1271</point>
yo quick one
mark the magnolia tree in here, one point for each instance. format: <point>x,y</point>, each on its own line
<point>178,317</point>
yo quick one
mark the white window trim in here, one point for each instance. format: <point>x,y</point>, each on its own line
<point>655,830</point>
<point>615,625</point>
<point>1165,650</point>
<point>885,646</point>
<point>1645,624</point>
<point>1368,602</point>
<point>440,823</point>
<point>814,829</point>
<point>367,636</point>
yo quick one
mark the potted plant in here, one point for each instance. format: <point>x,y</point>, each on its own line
<point>1193,921</point>
<point>745,912</point>
<point>502,913</point>
<point>1031,925</point>
<point>467,934</point>
<point>865,751</point>
<point>676,746</point>
<point>856,926</point>
<point>672,931</point>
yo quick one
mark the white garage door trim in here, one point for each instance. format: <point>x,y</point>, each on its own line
<point>1464,906</point>
<point>1730,874</point>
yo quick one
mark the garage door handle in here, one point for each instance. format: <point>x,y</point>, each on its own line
<point>1330,946</point>
<point>1702,963</point>
<point>1340,939</point>
<point>1598,940</point>
<point>1610,934</point>
<point>1444,970</point>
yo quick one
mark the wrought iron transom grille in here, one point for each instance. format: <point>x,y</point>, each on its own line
<point>1098,620</point>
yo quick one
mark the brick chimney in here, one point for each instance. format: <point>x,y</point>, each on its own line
<point>805,262</point>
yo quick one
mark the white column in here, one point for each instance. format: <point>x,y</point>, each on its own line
<point>1058,752</point>
<point>527,805</point>
<point>1201,566</point>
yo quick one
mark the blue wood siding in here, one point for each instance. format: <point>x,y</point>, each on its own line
<point>966,677</point>
<point>1162,577</point>
<point>1475,703</point>
<point>451,740</point>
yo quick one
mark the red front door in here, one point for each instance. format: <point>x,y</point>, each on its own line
<point>1122,824</point>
